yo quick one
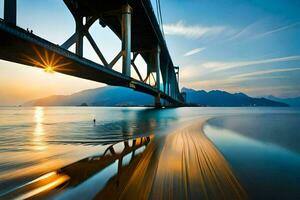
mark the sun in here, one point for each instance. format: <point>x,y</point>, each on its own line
<point>49,61</point>
<point>49,69</point>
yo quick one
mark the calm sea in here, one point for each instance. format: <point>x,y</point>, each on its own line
<point>261,144</point>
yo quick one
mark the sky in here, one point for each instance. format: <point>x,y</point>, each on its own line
<point>248,46</point>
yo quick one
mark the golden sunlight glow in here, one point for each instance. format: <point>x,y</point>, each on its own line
<point>49,61</point>
<point>186,165</point>
<point>190,165</point>
<point>38,115</point>
<point>52,183</point>
<point>49,69</point>
<point>38,133</point>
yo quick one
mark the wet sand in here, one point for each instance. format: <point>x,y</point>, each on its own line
<point>183,164</point>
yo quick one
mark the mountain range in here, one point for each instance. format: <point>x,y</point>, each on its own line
<point>226,99</point>
<point>294,102</point>
<point>120,96</point>
<point>103,96</point>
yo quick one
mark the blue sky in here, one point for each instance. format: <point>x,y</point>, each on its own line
<point>233,45</point>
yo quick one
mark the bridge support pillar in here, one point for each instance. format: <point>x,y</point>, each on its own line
<point>157,70</point>
<point>157,67</point>
<point>157,101</point>
<point>126,39</point>
<point>166,87</point>
<point>10,11</point>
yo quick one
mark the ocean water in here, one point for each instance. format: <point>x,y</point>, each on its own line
<point>263,150</point>
<point>260,144</point>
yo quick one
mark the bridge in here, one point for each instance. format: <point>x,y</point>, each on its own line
<point>132,21</point>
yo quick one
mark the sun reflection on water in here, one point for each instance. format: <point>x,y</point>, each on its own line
<point>38,134</point>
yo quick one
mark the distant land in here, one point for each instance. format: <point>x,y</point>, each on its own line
<point>217,98</point>
<point>103,96</point>
<point>294,102</point>
<point>120,96</point>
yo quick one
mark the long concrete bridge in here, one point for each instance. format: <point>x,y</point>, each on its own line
<point>133,22</point>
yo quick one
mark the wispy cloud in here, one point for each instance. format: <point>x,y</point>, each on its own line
<point>282,28</point>
<point>193,51</point>
<point>264,72</point>
<point>192,31</point>
<point>231,81</point>
<point>245,82</point>
<point>225,84</point>
<point>245,32</point>
<point>257,30</point>
<point>219,66</point>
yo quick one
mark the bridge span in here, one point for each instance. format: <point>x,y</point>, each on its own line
<point>133,22</point>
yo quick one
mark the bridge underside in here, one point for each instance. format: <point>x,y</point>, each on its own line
<point>145,31</point>
<point>20,46</point>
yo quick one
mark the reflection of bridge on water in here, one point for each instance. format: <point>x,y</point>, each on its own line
<point>132,21</point>
<point>86,177</point>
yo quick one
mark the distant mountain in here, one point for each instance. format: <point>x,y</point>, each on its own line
<point>120,96</point>
<point>294,102</point>
<point>222,98</point>
<point>104,96</point>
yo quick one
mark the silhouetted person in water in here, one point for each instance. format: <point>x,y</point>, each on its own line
<point>94,120</point>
